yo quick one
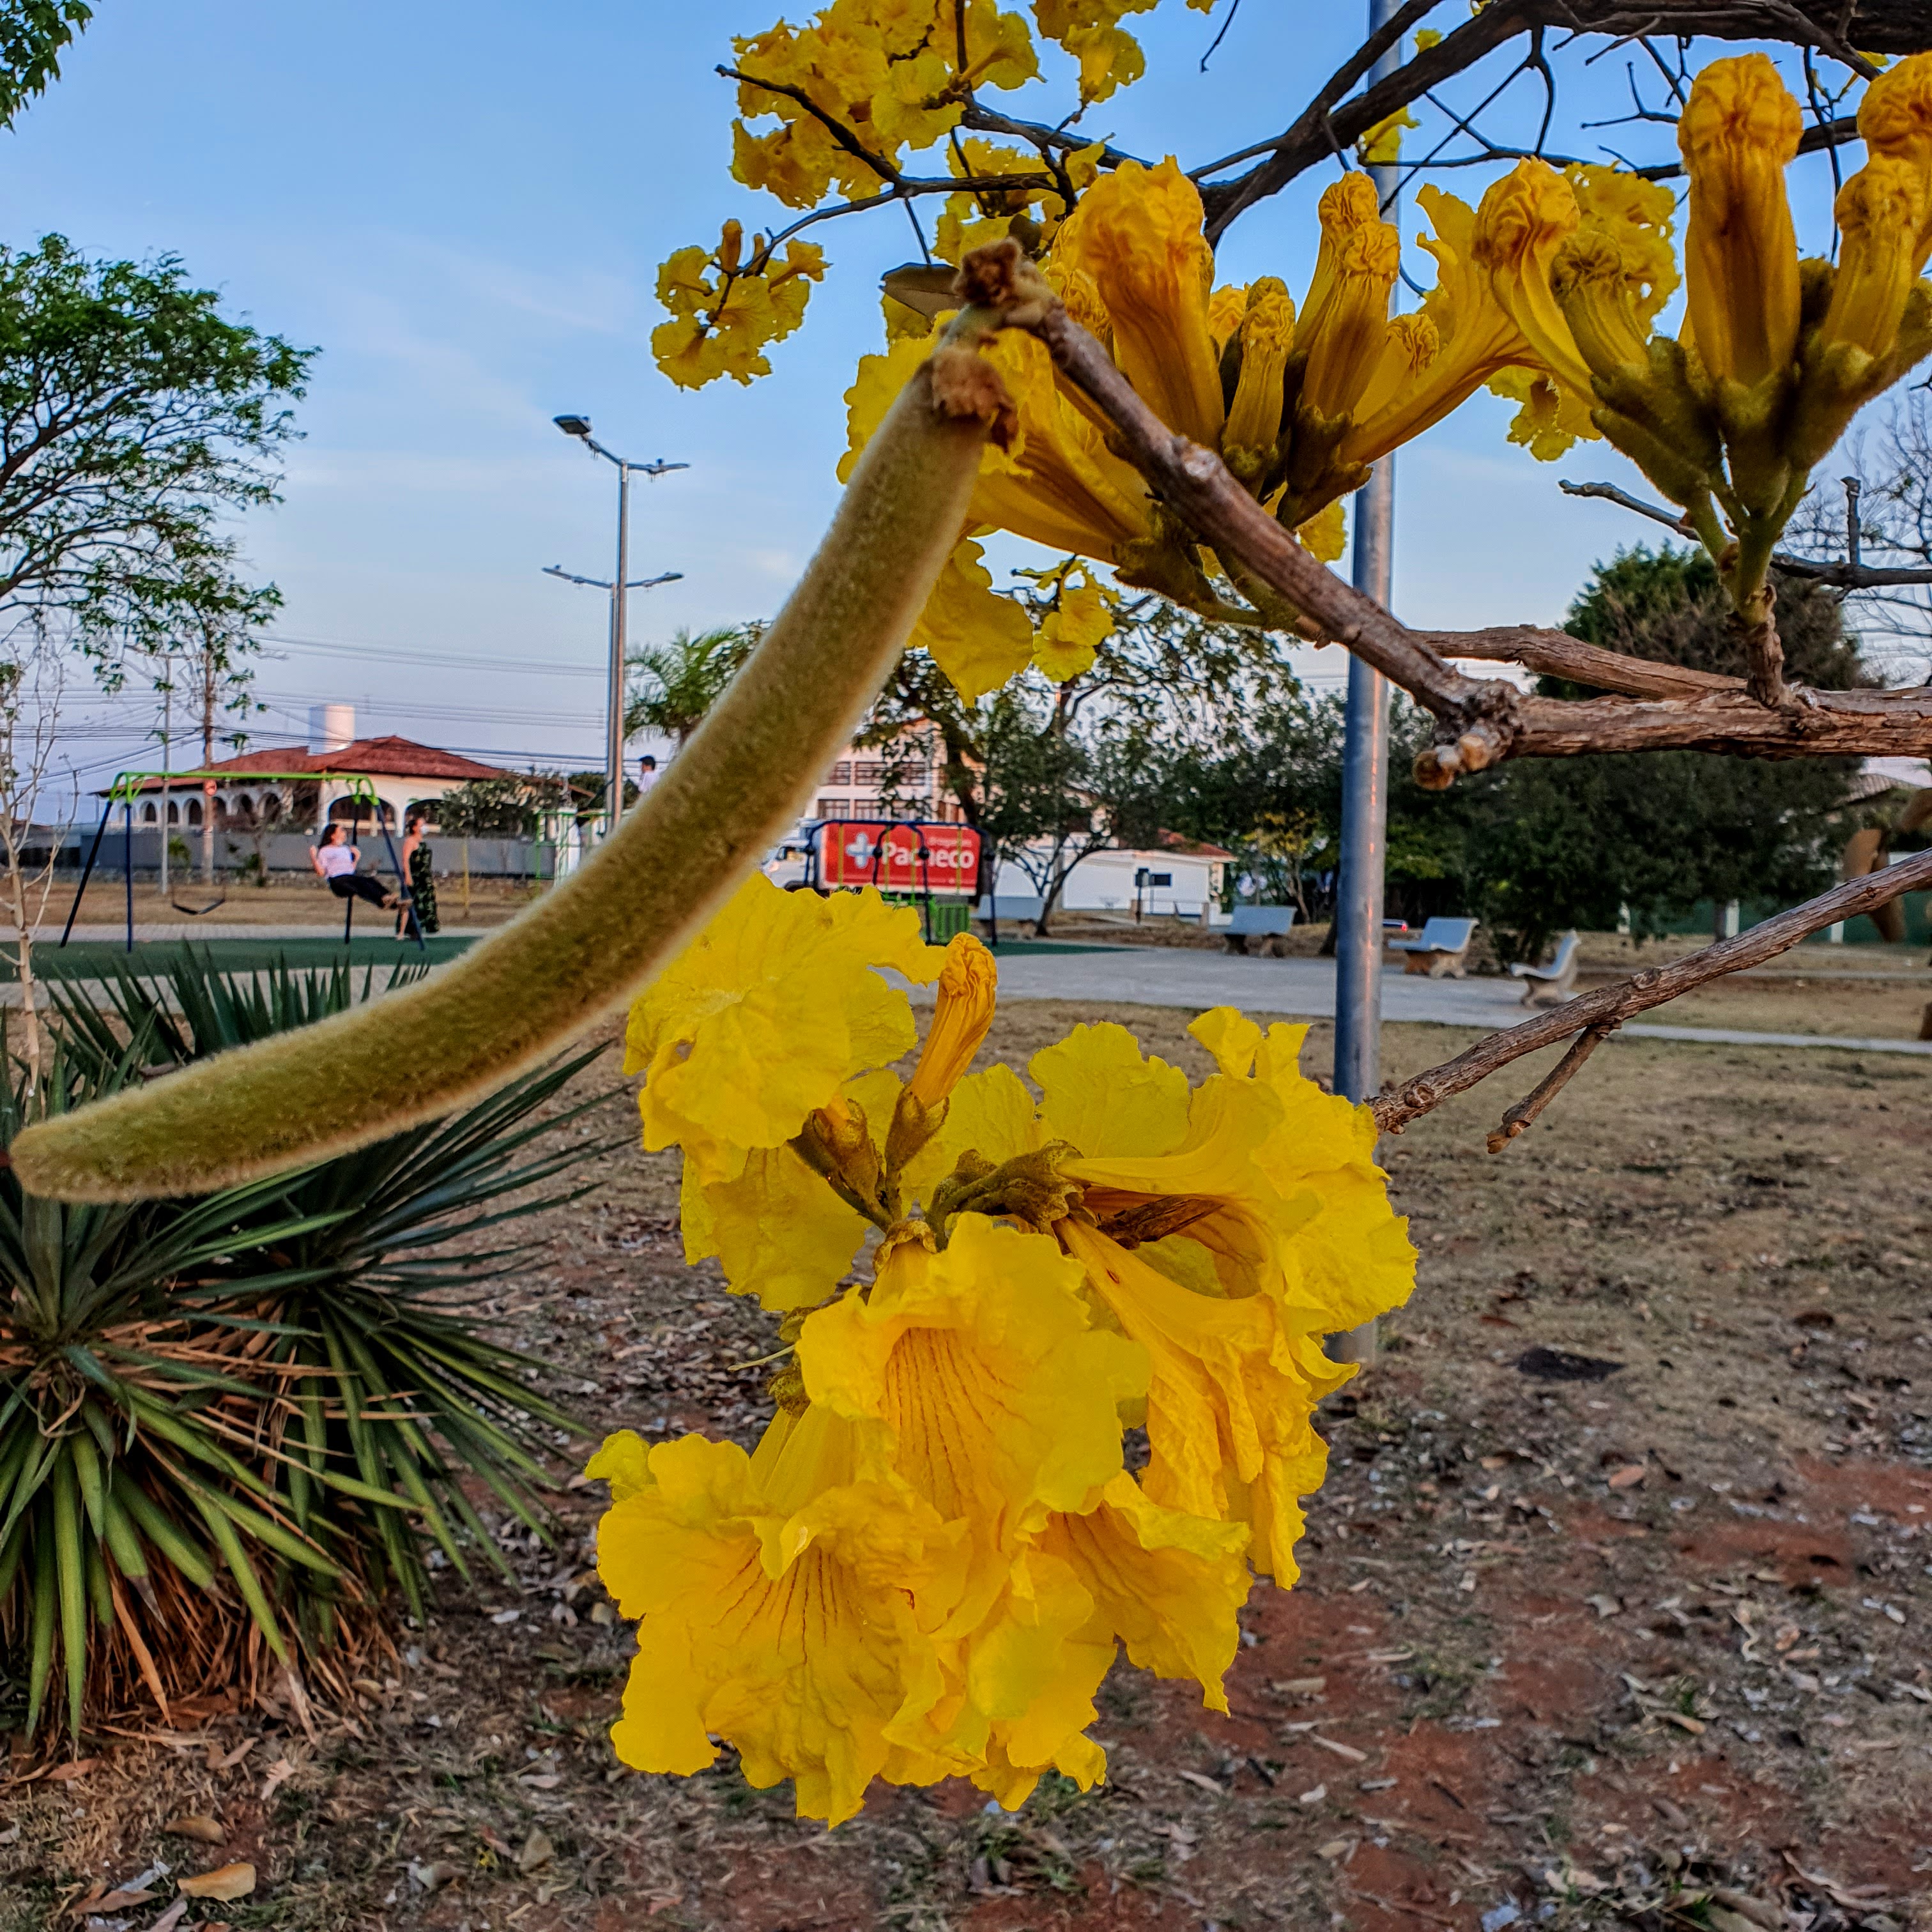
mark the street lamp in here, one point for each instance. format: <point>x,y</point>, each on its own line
<point>579,427</point>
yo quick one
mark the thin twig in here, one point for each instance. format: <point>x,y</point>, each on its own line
<point>1523,1116</point>
<point>1850,575</point>
<point>1609,1006</point>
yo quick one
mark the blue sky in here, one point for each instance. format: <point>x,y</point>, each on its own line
<point>463,207</point>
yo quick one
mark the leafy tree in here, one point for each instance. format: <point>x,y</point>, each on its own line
<point>135,421</point>
<point>674,685</point>
<point>1548,844</point>
<point>33,34</point>
<point>506,808</point>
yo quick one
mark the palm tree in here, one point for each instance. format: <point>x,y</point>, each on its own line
<point>674,685</point>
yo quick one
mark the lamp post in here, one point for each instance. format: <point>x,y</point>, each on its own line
<point>1358,905</point>
<point>579,427</point>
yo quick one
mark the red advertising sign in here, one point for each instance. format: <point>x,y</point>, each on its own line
<point>899,858</point>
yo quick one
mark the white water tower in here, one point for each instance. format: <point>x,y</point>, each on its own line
<point>330,727</point>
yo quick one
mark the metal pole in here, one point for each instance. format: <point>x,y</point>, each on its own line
<point>167,738</point>
<point>614,746</point>
<point>1358,908</point>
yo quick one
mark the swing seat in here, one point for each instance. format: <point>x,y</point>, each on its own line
<point>194,911</point>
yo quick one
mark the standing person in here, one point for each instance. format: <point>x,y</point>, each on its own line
<point>335,861</point>
<point>419,869</point>
<point>647,775</point>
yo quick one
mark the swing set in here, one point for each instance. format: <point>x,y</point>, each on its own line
<point>127,785</point>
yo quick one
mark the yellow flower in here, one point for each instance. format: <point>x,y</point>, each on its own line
<point>766,1015</point>
<point>1071,634</point>
<point>978,639</point>
<point>1137,235</point>
<point>1166,1584</point>
<point>975,1381</point>
<point>961,1017</point>
<point>1738,130</point>
<point>778,1610</point>
<point>1521,224</point>
<point>1895,118</point>
<point>1475,339</point>
<point>726,310</point>
<point>1380,145</point>
<point>1879,212</point>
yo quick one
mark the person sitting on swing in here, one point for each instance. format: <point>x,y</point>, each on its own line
<point>335,861</point>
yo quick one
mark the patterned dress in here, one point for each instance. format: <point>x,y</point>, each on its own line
<point>422,888</point>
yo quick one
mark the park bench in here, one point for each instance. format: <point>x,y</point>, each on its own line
<point>1013,910</point>
<point>1550,985</point>
<point>1440,951</point>
<point>1268,923</point>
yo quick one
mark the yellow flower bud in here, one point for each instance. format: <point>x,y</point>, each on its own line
<point>1895,118</point>
<point>1344,337</point>
<point>967,982</point>
<point>1588,280</point>
<point>1267,335</point>
<point>1879,212</point>
<point>1522,222</point>
<point>1738,130</point>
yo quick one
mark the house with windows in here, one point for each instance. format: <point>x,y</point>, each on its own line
<point>403,773</point>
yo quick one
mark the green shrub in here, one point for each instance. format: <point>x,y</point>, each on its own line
<point>231,1427</point>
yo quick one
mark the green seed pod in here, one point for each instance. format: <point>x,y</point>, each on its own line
<point>597,938</point>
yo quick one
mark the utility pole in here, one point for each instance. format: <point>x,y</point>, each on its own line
<point>579,426</point>
<point>167,738</point>
<point>209,681</point>
<point>1358,906</point>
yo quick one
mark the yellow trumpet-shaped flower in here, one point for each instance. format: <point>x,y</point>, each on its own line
<point>1738,130</point>
<point>980,1385</point>
<point>978,639</point>
<point>1521,224</point>
<point>1229,1414</point>
<point>766,1014</point>
<point>961,1017</point>
<point>1588,280</point>
<point>1895,120</point>
<point>779,1610</point>
<point>1267,328</point>
<point>1879,213</point>
<point>1137,236</point>
<point>1344,320</point>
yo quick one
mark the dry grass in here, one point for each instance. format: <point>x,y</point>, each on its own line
<point>1546,1685</point>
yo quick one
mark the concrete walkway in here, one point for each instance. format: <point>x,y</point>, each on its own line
<point>1305,989</point>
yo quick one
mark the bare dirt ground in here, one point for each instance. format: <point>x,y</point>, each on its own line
<point>1649,1648</point>
<point>283,902</point>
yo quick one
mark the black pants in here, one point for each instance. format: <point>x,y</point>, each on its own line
<point>359,885</point>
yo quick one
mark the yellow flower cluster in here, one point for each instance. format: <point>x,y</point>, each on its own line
<point>929,1562</point>
<point>1776,354</point>
<point>856,91</point>
<point>726,307</point>
<point>1299,401</point>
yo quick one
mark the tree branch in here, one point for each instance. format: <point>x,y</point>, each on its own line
<point>1609,1006</point>
<point>1849,576</point>
<point>1523,1116</point>
<point>1557,654</point>
<point>1324,128</point>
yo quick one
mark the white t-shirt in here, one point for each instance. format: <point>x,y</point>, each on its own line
<point>334,860</point>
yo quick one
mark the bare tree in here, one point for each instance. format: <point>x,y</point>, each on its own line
<point>33,663</point>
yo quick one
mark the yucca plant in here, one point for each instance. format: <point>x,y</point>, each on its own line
<point>230,1427</point>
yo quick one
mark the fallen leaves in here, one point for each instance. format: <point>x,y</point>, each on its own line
<point>224,1883</point>
<point>1628,1476</point>
<point>197,1824</point>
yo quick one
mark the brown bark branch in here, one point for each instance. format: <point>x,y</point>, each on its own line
<point>1609,1006</point>
<point>1557,654</point>
<point>1810,724</point>
<point>1523,1116</point>
<point>1324,128</point>
<point>1851,575</point>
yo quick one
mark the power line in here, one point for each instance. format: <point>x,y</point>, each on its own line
<point>388,654</point>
